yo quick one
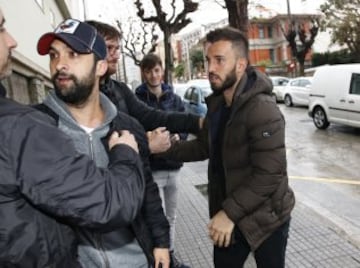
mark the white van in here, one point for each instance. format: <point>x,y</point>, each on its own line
<point>335,95</point>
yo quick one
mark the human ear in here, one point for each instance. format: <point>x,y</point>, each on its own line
<point>101,67</point>
<point>241,64</point>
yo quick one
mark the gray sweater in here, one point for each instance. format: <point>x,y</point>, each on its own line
<point>117,248</point>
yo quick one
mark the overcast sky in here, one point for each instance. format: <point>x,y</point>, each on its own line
<point>209,11</point>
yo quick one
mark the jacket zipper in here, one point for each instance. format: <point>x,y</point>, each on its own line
<point>92,155</point>
<point>97,237</point>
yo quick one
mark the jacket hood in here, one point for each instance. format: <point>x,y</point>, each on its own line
<point>2,91</point>
<point>252,83</point>
<point>60,108</point>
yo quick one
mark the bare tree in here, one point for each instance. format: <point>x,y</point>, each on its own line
<point>139,42</point>
<point>298,32</point>
<point>237,13</point>
<point>169,25</point>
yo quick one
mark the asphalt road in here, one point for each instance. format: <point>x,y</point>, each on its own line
<point>323,167</point>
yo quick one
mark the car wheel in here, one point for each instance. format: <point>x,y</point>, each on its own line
<point>320,119</point>
<point>288,101</point>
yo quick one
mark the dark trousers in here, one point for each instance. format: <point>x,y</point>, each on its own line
<point>270,254</point>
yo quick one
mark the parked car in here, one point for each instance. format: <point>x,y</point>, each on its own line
<point>335,95</point>
<point>279,83</point>
<point>297,91</point>
<point>194,97</point>
<point>180,88</point>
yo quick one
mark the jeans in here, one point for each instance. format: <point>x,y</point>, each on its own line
<point>270,254</point>
<point>167,184</point>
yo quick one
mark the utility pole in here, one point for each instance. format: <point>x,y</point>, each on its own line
<point>288,10</point>
<point>85,10</point>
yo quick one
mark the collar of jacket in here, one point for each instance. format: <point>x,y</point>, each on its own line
<point>144,91</point>
<point>2,90</point>
<point>213,101</point>
<point>252,83</point>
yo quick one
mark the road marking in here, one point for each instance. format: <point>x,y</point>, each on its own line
<point>332,180</point>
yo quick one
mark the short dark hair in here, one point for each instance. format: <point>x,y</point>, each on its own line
<point>150,61</point>
<point>236,37</point>
<point>107,31</point>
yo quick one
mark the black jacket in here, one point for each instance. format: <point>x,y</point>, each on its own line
<point>46,186</point>
<point>150,227</point>
<point>150,118</point>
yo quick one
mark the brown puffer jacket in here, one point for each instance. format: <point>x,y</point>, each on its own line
<point>258,198</point>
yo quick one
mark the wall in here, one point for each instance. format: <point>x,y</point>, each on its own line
<point>27,21</point>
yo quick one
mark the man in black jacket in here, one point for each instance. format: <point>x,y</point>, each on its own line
<point>46,187</point>
<point>125,100</point>
<point>77,62</point>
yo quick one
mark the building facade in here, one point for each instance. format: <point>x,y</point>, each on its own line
<point>269,50</point>
<point>27,21</point>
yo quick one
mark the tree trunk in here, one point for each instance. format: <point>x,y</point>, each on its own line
<point>238,14</point>
<point>168,58</point>
<point>301,66</point>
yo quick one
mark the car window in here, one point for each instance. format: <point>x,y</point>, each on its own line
<point>304,82</point>
<point>294,83</point>
<point>283,82</point>
<point>195,95</point>
<point>355,84</point>
<point>187,94</point>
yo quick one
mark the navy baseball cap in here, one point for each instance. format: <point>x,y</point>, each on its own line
<point>80,36</point>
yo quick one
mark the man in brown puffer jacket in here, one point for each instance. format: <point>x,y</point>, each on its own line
<point>244,138</point>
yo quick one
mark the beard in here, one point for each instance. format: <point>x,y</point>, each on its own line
<point>6,70</point>
<point>78,92</point>
<point>229,82</point>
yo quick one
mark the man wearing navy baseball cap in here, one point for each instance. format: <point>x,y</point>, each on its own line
<point>81,37</point>
<point>77,62</point>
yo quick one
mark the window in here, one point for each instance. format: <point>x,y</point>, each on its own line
<point>195,95</point>
<point>304,83</point>
<point>261,32</point>
<point>295,83</point>
<point>270,32</point>
<point>272,55</point>
<point>188,92</point>
<point>355,84</point>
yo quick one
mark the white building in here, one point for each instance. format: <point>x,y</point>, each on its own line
<point>27,21</point>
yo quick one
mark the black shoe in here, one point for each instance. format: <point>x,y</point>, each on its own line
<point>175,263</point>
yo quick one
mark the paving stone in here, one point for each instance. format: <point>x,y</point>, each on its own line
<point>313,241</point>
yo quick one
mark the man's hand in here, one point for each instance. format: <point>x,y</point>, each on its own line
<point>159,140</point>
<point>174,138</point>
<point>161,255</point>
<point>220,229</point>
<point>125,137</point>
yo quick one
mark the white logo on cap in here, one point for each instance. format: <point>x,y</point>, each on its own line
<point>68,26</point>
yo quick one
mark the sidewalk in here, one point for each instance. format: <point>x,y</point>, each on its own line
<point>313,242</point>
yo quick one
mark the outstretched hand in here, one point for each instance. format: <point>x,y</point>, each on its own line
<point>159,140</point>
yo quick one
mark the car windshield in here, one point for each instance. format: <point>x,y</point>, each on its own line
<point>278,81</point>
